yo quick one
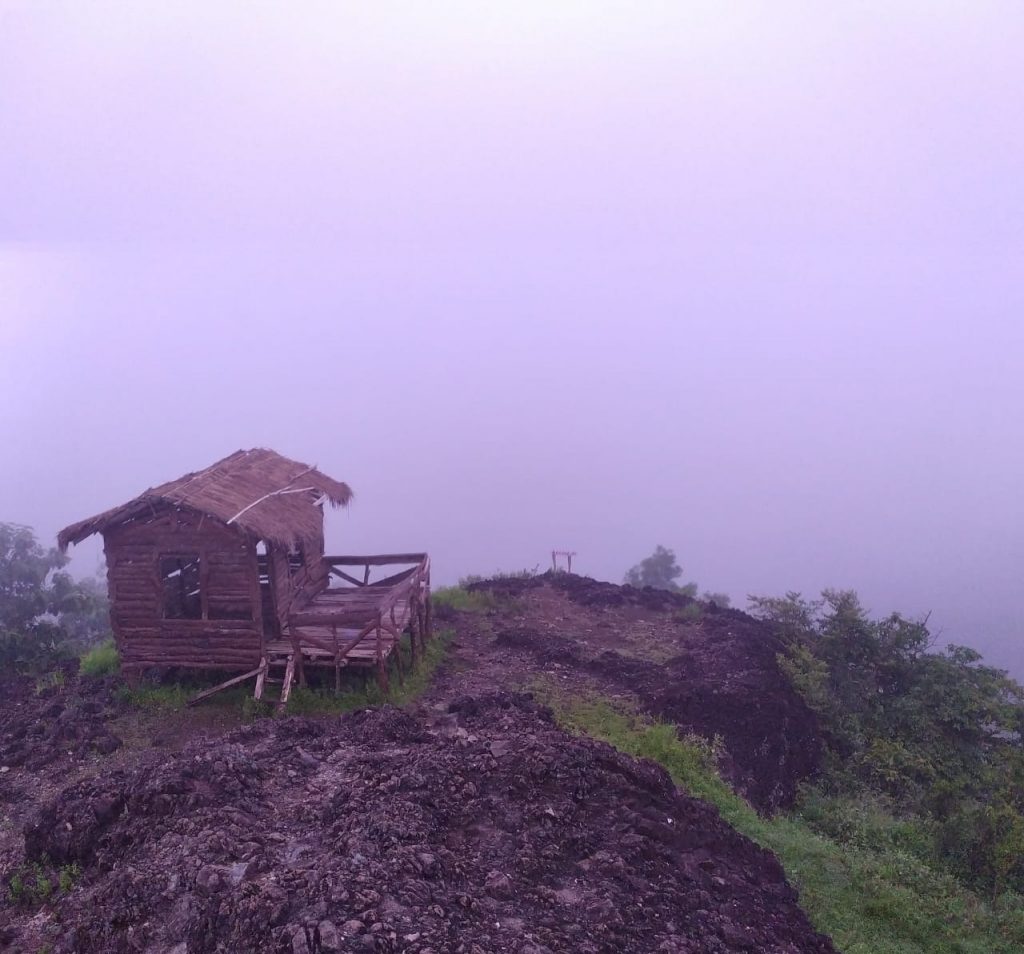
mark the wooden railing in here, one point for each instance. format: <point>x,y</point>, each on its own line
<point>376,615</point>
<point>420,560</point>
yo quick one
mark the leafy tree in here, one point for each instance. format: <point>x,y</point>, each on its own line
<point>40,604</point>
<point>659,570</point>
<point>25,568</point>
<point>938,734</point>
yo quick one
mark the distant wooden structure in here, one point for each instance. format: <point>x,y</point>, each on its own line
<point>567,555</point>
<point>225,569</point>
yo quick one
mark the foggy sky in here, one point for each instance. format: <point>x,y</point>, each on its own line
<point>743,279</point>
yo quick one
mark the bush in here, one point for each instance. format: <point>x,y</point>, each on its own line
<point>27,653</point>
<point>103,660</point>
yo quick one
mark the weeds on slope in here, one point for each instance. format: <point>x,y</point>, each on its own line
<point>880,900</point>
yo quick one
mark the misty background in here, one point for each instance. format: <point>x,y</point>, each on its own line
<point>741,279</point>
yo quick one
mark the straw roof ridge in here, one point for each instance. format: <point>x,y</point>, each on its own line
<point>259,491</point>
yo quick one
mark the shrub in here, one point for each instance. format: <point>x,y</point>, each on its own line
<point>102,660</point>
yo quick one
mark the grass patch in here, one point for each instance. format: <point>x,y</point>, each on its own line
<point>871,900</point>
<point>459,599</point>
<point>102,660</point>
<point>311,701</point>
<point>51,680</point>
<point>34,882</point>
<point>691,613</point>
<point>169,696</point>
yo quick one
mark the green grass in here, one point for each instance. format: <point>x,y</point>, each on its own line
<point>173,695</point>
<point>103,660</point>
<point>309,701</point>
<point>463,600</point>
<point>51,680</point>
<point>881,900</point>
<point>33,882</point>
<point>691,613</point>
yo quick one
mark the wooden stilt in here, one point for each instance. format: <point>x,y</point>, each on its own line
<point>286,687</point>
<point>413,619</point>
<point>382,670</point>
<point>261,678</point>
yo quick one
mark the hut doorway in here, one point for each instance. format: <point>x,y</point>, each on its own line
<point>268,605</point>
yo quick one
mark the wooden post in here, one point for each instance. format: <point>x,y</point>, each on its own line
<point>382,672</point>
<point>337,659</point>
<point>286,687</point>
<point>414,610</point>
<point>261,678</point>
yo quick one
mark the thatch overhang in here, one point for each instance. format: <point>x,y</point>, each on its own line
<point>258,491</point>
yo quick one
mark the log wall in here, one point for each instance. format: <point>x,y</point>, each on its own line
<point>230,633</point>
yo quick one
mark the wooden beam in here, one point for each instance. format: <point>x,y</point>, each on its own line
<point>346,577</point>
<point>381,559</point>
<point>225,685</point>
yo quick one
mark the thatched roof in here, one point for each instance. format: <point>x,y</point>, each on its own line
<point>258,491</point>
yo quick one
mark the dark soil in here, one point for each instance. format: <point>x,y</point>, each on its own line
<point>716,676</point>
<point>40,726</point>
<point>487,829</point>
<point>471,826</point>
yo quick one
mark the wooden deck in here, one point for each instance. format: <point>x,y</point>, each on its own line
<point>356,622</point>
<point>359,621</point>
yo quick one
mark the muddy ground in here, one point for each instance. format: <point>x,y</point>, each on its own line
<point>471,824</point>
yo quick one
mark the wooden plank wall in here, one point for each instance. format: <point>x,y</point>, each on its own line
<point>294,586</point>
<point>231,634</point>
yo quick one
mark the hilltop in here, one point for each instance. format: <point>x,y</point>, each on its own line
<point>485,815</point>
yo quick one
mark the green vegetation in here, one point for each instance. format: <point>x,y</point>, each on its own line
<point>931,739</point>
<point>691,613</point>
<point>169,695</point>
<point>661,571</point>
<point>43,611</point>
<point>50,680</point>
<point>309,701</point>
<point>459,599</point>
<point>866,888</point>
<point>34,882</point>
<point>102,660</point>
<point>450,599</point>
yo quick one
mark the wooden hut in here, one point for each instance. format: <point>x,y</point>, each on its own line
<point>225,569</point>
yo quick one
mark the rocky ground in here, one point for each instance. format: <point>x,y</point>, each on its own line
<point>469,825</point>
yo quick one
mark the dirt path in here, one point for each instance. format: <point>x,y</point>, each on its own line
<point>711,672</point>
